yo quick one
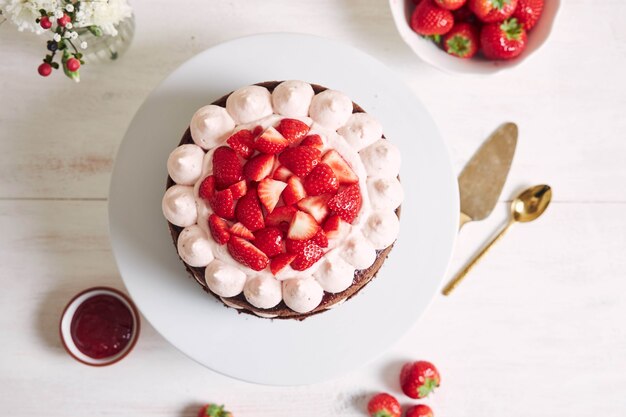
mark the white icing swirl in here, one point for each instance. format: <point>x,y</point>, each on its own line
<point>210,126</point>
<point>385,193</point>
<point>179,205</point>
<point>249,104</point>
<point>381,159</point>
<point>223,279</point>
<point>382,228</point>
<point>334,274</point>
<point>185,164</point>
<point>331,109</point>
<point>194,247</point>
<point>361,130</point>
<point>263,291</point>
<point>302,295</point>
<point>292,98</point>
<point>358,251</point>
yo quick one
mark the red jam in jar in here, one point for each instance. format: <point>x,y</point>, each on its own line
<point>102,326</point>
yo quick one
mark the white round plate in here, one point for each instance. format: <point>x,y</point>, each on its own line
<point>281,352</point>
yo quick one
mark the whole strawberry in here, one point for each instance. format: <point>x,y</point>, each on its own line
<point>528,12</point>
<point>214,410</point>
<point>384,405</point>
<point>462,41</point>
<point>490,11</point>
<point>419,379</point>
<point>450,4</point>
<point>505,40</point>
<point>420,410</point>
<point>429,19</point>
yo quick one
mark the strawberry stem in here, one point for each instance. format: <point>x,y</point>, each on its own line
<point>512,29</point>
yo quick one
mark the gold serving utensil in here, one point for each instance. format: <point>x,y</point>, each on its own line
<point>526,207</point>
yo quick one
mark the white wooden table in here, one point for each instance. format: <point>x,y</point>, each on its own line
<point>538,328</point>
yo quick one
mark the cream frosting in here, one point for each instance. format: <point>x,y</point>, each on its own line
<point>179,205</point>
<point>223,279</point>
<point>385,193</point>
<point>361,130</point>
<point>335,274</point>
<point>210,126</point>
<point>330,109</point>
<point>382,228</point>
<point>194,247</point>
<point>358,251</point>
<point>263,291</point>
<point>185,164</point>
<point>292,98</point>
<point>302,295</point>
<point>249,103</point>
<point>381,159</point>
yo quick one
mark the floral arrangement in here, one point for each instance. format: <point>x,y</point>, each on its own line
<point>67,21</point>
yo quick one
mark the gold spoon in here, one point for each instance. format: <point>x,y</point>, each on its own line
<point>526,207</point>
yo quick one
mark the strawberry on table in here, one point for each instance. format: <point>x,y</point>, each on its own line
<point>346,203</point>
<point>241,231</point>
<point>219,229</point>
<point>302,227</point>
<point>420,410</point>
<point>342,170</point>
<point>316,206</point>
<point>419,379</point>
<point>294,191</point>
<point>321,180</point>
<point>271,142</point>
<point>429,19</point>
<point>269,193</point>
<point>528,12</point>
<point>292,129</point>
<point>300,160</point>
<point>281,217</point>
<point>269,240</point>
<point>247,254</point>
<point>384,405</point>
<point>280,262</point>
<point>214,410</point>
<point>450,4</point>
<point>242,142</point>
<point>207,187</point>
<point>223,203</point>
<point>504,40</point>
<point>258,167</point>
<point>309,253</point>
<point>226,167</point>
<point>490,11</point>
<point>248,211</point>
<point>462,41</point>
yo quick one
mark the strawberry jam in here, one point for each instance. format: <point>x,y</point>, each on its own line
<point>102,326</point>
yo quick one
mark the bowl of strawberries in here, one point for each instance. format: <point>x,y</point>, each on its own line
<point>474,36</point>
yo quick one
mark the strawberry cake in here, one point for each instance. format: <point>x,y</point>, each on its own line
<point>283,198</point>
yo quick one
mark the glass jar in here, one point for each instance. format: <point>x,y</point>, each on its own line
<point>105,48</point>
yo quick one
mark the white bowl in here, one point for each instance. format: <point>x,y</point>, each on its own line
<point>432,54</point>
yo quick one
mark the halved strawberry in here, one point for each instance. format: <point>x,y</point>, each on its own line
<point>320,239</point>
<point>280,262</point>
<point>321,180</point>
<point>207,187</point>
<point>302,227</point>
<point>295,246</point>
<point>316,206</point>
<point>226,167</point>
<point>219,229</point>
<point>258,167</point>
<point>333,226</point>
<point>309,254</point>
<point>282,174</point>
<point>223,204</point>
<point>246,253</point>
<point>300,160</point>
<point>293,130</point>
<point>248,211</point>
<point>269,193</point>
<point>343,171</point>
<point>294,191</point>
<point>239,189</point>
<point>281,217</point>
<point>269,240</point>
<point>314,141</point>
<point>242,231</point>
<point>271,142</point>
<point>242,142</point>
<point>346,203</point>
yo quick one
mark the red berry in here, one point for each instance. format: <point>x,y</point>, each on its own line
<point>384,405</point>
<point>248,211</point>
<point>420,410</point>
<point>241,142</point>
<point>44,69</point>
<point>462,41</point>
<point>321,180</point>
<point>214,410</point>
<point>279,262</point>
<point>227,169</point>
<point>419,379</point>
<point>64,20</point>
<point>300,160</point>
<point>528,12</point>
<point>207,188</point>
<point>307,256</point>
<point>45,22</point>
<point>219,229</point>
<point>269,240</point>
<point>450,4</point>
<point>247,254</point>
<point>72,64</point>
<point>505,40</point>
<point>429,19</point>
<point>490,11</point>
<point>346,203</point>
<point>292,129</point>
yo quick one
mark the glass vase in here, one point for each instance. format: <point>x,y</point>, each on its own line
<point>106,48</point>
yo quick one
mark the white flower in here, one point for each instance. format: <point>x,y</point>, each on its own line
<point>58,13</point>
<point>83,45</point>
<point>107,15</point>
<point>69,8</point>
<point>67,34</point>
<point>24,13</point>
<point>69,25</point>
<point>56,37</point>
<point>74,35</point>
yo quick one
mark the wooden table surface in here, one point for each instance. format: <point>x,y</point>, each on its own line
<point>537,329</point>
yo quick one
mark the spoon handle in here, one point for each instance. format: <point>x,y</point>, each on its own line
<point>462,273</point>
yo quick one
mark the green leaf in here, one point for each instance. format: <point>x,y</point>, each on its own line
<point>54,65</point>
<point>95,30</point>
<point>78,55</point>
<point>43,12</point>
